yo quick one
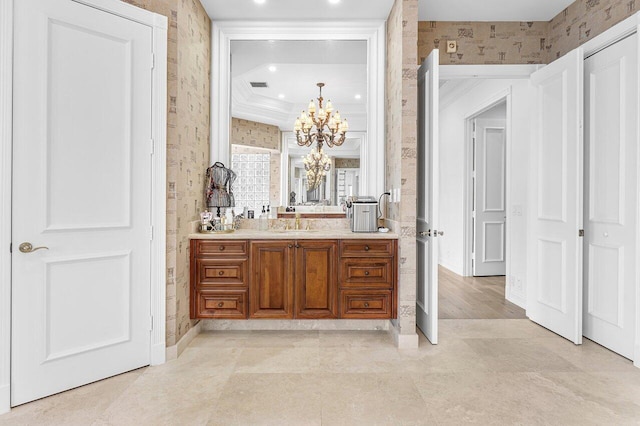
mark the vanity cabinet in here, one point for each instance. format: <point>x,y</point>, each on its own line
<point>293,279</point>
<point>219,279</point>
<point>287,279</point>
<point>367,279</point>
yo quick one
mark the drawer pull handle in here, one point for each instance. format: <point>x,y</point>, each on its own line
<point>366,272</point>
<point>366,304</point>
<point>221,248</point>
<point>221,273</point>
<point>366,248</point>
<point>220,304</point>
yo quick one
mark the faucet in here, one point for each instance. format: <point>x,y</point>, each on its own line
<point>297,221</point>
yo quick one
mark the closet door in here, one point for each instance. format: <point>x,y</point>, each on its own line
<point>554,290</point>
<point>611,195</point>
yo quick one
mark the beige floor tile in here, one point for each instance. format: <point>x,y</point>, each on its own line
<point>220,339</point>
<point>269,399</point>
<point>356,339</point>
<point>80,406</point>
<point>491,329</point>
<point>449,356</point>
<point>523,355</point>
<point>278,360</point>
<point>359,360</point>
<point>512,398</point>
<point>372,399</point>
<point>589,356</point>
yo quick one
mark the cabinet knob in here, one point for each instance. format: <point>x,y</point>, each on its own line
<point>220,304</point>
<point>366,248</point>
<point>366,272</point>
<point>221,248</point>
<point>290,246</point>
<point>366,304</point>
<point>297,245</point>
<point>221,273</point>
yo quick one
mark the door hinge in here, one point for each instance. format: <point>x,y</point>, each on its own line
<point>153,146</point>
<point>150,322</point>
<point>10,247</point>
<point>581,233</point>
<point>151,233</point>
<point>153,60</point>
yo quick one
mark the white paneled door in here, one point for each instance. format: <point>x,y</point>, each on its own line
<point>554,270</point>
<point>489,231</point>
<point>611,195</point>
<point>81,197</point>
<point>427,199</point>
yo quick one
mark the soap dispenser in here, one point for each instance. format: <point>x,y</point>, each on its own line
<point>264,220</point>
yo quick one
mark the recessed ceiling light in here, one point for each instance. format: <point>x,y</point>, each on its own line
<point>272,68</point>
<point>358,97</point>
<point>281,96</point>
<point>259,1</point>
<point>334,1</point>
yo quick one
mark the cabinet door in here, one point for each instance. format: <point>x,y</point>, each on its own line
<point>271,285</point>
<point>316,280</point>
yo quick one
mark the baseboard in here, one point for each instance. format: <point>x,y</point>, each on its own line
<point>516,298</point>
<point>451,268</point>
<point>158,354</point>
<point>5,399</point>
<point>404,341</point>
<point>173,352</point>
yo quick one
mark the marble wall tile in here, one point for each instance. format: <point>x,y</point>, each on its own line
<point>254,134</point>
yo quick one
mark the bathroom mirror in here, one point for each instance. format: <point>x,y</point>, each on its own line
<point>272,81</point>
<point>308,52</point>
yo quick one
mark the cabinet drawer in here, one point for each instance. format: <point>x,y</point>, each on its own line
<point>361,272</point>
<point>367,248</point>
<point>221,272</point>
<point>366,304</point>
<point>221,248</point>
<point>221,304</point>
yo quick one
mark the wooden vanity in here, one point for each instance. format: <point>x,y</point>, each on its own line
<point>266,275</point>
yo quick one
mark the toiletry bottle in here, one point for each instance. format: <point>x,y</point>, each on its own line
<point>268,211</point>
<point>264,220</point>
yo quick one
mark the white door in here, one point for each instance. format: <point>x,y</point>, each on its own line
<point>489,201</point>
<point>81,188</point>
<point>554,270</point>
<point>427,198</point>
<point>611,195</point>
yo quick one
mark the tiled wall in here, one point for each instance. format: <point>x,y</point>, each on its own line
<point>485,42</point>
<point>401,145</point>
<point>188,65</point>
<point>583,20</point>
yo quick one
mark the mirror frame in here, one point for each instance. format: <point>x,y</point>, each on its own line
<point>373,32</point>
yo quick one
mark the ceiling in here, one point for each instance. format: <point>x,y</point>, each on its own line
<point>429,10</point>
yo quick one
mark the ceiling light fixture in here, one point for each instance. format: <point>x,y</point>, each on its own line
<point>272,68</point>
<point>358,97</point>
<point>329,129</point>
<point>259,1</point>
<point>281,96</point>
<point>334,1</point>
<point>317,164</point>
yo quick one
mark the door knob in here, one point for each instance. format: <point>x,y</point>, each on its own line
<point>29,248</point>
<point>441,233</point>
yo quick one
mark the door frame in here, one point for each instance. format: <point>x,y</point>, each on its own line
<point>159,26</point>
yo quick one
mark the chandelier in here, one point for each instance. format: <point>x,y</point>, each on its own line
<point>317,164</point>
<point>329,129</point>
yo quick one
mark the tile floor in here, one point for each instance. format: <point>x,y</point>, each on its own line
<point>483,372</point>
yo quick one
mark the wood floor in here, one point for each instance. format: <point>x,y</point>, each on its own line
<point>474,298</point>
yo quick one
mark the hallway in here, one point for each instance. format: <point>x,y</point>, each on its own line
<point>474,298</point>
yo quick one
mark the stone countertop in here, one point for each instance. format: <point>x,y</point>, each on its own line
<point>313,234</point>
